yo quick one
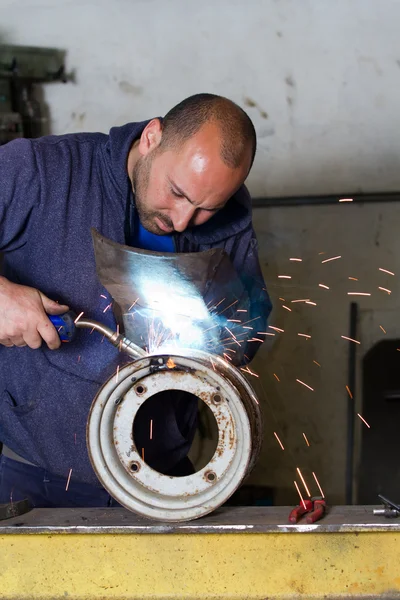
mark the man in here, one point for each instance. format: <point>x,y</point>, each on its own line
<point>172,184</point>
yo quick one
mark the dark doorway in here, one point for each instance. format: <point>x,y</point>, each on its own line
<point>380,445</point>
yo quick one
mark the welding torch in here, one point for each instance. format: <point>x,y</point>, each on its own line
<point>67,324</point>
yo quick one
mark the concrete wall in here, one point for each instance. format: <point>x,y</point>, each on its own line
<point>321,81</point>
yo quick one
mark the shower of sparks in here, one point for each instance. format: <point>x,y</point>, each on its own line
<point>103,296</point>
<point>132,305</point>
<point>305,335</point>
<point>151,429</point>
<point>323,286</point>
<point>279,441</point>
<point>385,290</point>
<point>384,330</point>
<point>386,271</point>
<point>276,329</point>
<point>363,420</point>
<point>307,386</point>
<point>117,374</point>
<point>303,482</point>
<point>312,303</point>
<point>299,493</point>
<point>301,300</point>
<point>317,363</point>
<point>296,259</point>
<point>349,392</point>
<point>143,454</point>
<point>249,371</point>
<point>319,487</point>
<point>287,308</point>
<point>353,278</point>
<point>276,377</point>
<point>68,480</point>
<point>329,259</point>
<point>283,299</point>
<point>284,277</point>
<point>358,294</point>
<point>107,307</point>
<point>306,440</point>
<point>78,317</point>
<point>350,339</point>
<point>345,199</point>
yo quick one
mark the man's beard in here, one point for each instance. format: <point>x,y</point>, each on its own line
<point>140,179</point>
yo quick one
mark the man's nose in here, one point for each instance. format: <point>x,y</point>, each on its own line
<point>183,217</point>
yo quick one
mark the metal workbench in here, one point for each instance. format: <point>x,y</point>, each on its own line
<point>234,553</point>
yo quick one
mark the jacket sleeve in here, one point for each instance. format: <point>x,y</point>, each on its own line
<point>19,192</point>
<point>247,265</point>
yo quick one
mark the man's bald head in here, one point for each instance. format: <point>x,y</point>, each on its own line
<point>237,133</point>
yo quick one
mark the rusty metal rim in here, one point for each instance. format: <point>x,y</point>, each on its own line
<point>111,393</point>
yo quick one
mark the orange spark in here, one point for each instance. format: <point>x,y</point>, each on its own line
<point>301,300</point>
<point>91,331</point>
<point>299,493</point>
<point>130,308</point>
<point>233,321</point>
<point>284,277</point>
<point>241,310</point>
<point>319,487</point>
<point>312,303</point>
<point>385,290</point>
<point>384,330</point>
<point>78,317</point>
<point>143,454</point>
<point>247,370</point>
<point>296,259</point>
<point>276,376</point>
<point>353,278</point>
<point>385,271</point>
<point>349,392</point>
<point>151,429</point>
<point>170,363</point>
<point>264,333</point>
<point>358,294</point>
<point>103,296</point>
<point>276,329</point>
<point>287,308</point>
<point>79,358</point>
<point>317,363</point>
<point>305,335</point>
<point>107,307</point>
<point>329,259</point>
<point>323,286</point>
<point>68,480</point>
<point>247,327</point>
<point>345,199</point>
<point>283,299</point>
<point>305,437</point>
<point>363,420</point>
<point>350,339</point>
<point>303,482</point>
<point>117,374</point>
<point>307,386</point>
<point>279,441</point>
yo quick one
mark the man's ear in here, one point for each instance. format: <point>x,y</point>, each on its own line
<point>151,137</point>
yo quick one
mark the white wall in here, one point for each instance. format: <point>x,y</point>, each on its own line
<point>324,76</point>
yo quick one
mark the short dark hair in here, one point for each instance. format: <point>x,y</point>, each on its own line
<point>238,135</point>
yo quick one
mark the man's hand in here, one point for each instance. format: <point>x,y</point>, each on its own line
<point>23,316</point>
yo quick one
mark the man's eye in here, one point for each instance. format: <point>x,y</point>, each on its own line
<point>176,194</point>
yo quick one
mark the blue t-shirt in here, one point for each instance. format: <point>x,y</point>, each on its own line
<point>150,241</point>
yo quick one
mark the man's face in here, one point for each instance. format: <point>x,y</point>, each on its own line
<point>183,187</point>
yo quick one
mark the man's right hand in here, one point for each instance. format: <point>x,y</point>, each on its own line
<point>23,316</point>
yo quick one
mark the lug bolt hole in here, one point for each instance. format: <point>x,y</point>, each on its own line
<point>140,389</point>
<point>211,476</point>
<point>134,467</point>
<point>217,398</point>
